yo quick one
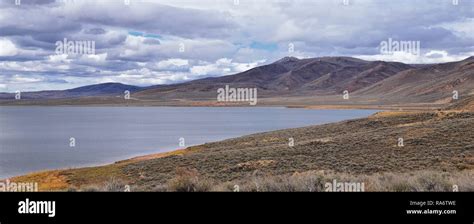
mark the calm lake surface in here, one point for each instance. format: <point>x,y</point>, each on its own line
<point>38,138</point>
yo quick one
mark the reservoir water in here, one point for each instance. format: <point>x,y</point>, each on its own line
<point>40,138</point>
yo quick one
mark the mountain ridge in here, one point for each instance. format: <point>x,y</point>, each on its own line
<point>101,89</point>
<point>294,77</point>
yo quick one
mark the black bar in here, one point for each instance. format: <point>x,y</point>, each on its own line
<point>241,207</point>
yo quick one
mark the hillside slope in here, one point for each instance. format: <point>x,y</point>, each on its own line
<point>426,84</point>
<point>465,103</point>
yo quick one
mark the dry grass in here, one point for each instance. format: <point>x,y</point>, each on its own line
<point>314,181</point>
<point>180,152</point>
<point>393,113</point>
<point>77,178</point>
<point>47,181</point>
<point>189,180</point>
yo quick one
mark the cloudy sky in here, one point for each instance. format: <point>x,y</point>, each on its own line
<point>149,42</point>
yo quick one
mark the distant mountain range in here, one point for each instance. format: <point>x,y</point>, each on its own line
<point>292,77</point>
<point>104,89</point>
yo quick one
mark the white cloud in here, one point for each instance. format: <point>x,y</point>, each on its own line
<point>223,66</point>
<point>7,48</point>
<point>58,58</point>
<point>172,63</point>
<point>461,28</point>
<point>433,56</point>
<point>24,79</point>
<point>94,59</point>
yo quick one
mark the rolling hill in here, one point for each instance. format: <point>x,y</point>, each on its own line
<point>466,104</point>
<point>427,84</point>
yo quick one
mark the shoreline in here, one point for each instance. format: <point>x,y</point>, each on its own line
<point>315,102</point>
<point>389,107</point>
